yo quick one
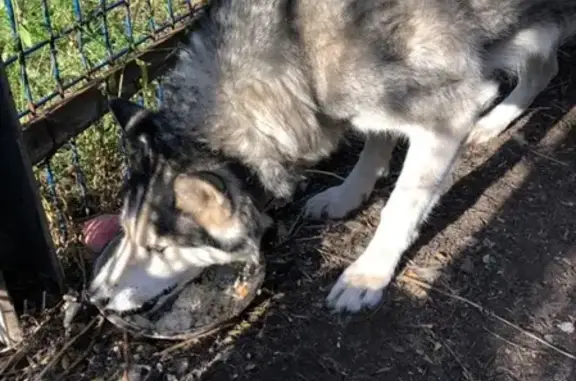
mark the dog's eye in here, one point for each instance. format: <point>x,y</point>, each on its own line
<point>156,248</point>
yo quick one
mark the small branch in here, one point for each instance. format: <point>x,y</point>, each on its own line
<point>190,341</point>
<point>547,157</point>
<point>527,145</point>
<point>65,348</point>
<point>508,341</point>
<point>293,228</point>
<point>467,374</point>
<point>86,351</point>
<point>127,356</point>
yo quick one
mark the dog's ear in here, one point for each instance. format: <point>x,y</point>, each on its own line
<point>125,112</point>
<point>203,197</point>
<point>137,122</point>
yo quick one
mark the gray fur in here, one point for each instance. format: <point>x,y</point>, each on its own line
<point>273,84</point>
<point>256,75</point>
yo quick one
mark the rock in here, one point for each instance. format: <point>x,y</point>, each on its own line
<point>182,366</point>
<point>97,348</point>
<point>136,373</point>
<point>71,308</point>
<point>566,327</point>
<point>467,265</point>
<point>250,367</point>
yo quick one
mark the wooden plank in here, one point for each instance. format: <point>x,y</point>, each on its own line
<point>43,135</point>
<point>10,330</point>
<point>26,248</point>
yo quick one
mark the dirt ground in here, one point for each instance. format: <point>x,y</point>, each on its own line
<point>499,255</point>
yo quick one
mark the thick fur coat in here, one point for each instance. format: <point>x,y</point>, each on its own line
<point>267,87</point>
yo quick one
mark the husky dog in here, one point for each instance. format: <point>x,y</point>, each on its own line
<point>265,88</point>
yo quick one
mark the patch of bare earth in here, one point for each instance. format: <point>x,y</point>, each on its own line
<point>487,293</point>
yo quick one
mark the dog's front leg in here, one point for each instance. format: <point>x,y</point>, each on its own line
<point>373,163</point>
<point>425,173</point>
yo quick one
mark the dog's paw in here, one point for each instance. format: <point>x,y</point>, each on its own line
<point>489,127</point>
<point>361,285</point>
<point>480,135</point>
<point>334,203</point>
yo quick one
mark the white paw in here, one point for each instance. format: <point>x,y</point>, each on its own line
<point>334,203</point>
<point>483,134</point>
<point>494,123</point>
<point>361,285</point>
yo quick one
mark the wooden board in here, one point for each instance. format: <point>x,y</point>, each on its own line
<point>10,331</point>
<point>27,253</point>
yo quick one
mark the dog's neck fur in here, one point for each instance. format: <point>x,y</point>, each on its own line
<point>250,183</point>
<point>264,115</point>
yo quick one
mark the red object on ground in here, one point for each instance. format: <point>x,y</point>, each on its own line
<point>100,230</point>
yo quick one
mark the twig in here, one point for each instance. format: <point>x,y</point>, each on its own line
<point>319,172</point>
<point>467,374</point>
<point>23,347</point>
<point>298,219</point>
<point>86,351</point>
<point>329,364</point>
<point>21,352</point>
<point>507,341</point>
<point>548,157</point>
<point>527,145</point>
<point>292,230</point>
<point>43,300</point>
<point>175,347</point>
<point>305,239</point>
<point>294,226</point>
<point>187,342</point>
<point>126,354</point>
<point>65,348</point>
<point>488,313</point>
<point>121,83</point>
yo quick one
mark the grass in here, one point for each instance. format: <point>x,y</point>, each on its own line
<point>98,148</point>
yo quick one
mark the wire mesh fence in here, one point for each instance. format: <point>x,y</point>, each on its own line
<point>52,51</point>
<point>51,47</point>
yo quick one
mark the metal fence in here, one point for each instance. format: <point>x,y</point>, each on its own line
<point>99,32</point>
<point>63,59</point>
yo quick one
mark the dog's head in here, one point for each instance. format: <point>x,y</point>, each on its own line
<point>183,210</point>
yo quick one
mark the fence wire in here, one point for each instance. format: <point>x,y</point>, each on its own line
<point>50,48</point>
<point>75,40</point>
